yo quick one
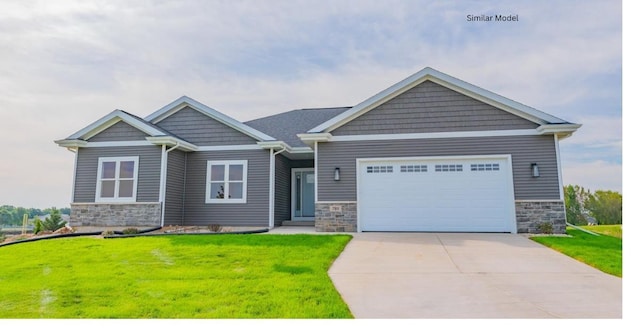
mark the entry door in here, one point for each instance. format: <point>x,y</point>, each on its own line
<point>303,194</point>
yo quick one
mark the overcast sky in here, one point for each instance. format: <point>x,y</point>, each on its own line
<point>65,64</point>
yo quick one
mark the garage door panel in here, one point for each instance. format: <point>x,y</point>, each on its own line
<point>435,195</point>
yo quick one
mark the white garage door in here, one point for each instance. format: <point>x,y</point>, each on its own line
<point>444,194</point>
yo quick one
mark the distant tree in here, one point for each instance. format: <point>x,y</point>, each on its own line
<point>574,205</point>
<point>605,207</point>
<point>7,217</point>
<point>33,212</point>
<point>54,221</point>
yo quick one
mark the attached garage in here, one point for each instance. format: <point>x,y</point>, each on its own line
<point>437,194</point>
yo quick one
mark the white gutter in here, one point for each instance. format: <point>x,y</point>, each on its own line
<point>163,178</point>
<point>272,184</point>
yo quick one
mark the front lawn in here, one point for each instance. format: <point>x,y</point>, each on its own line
<point>189,276</point>
<point>602,252</point>
<point>614,230</point>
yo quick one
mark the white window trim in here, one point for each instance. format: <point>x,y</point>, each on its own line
<point>226,164</point>
<point>117,160</point>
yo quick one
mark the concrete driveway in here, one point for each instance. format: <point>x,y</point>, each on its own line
<point>461,275</point>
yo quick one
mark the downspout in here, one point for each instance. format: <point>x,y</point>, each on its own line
<point>163,179</point>
<point>75,167</point>
<point>272,183</point>
<point>315,170</point>
<point>560,182</point>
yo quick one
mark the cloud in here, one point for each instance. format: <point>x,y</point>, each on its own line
<point>597,175</point>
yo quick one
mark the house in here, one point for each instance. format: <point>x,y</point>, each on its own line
<point>430,153</point>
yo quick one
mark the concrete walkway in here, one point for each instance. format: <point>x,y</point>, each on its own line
<point>462,276</point>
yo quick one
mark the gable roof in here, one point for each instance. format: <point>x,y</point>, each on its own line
<point>286,126</point>
<point>445,80</point>
<point>113,118</point>
<point>184,101</point>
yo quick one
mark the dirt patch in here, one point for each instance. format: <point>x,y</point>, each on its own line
<point>18,237</point>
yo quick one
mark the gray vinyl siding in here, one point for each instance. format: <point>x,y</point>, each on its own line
<point>253,213</point>
<point>524,150</point>
<point>120,131</point>
<point>282,206</point>
<point>201,129</point>
<point>282,210</point>
<point>174,196</point>
<point>148,171</point>
<point>428,108</point>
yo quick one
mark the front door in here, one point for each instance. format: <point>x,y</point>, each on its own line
<point>303,200</point>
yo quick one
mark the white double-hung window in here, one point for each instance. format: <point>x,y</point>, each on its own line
<point>117,179</point>
<point>226,182</point>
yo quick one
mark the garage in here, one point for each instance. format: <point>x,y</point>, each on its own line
<point>438,194</point>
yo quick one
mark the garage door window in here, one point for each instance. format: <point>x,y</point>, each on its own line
<point>448,167</point>
<point>413,168</point>
<point>380,169</point>
<point>485,167</point>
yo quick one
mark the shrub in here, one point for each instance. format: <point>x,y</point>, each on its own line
<point>545,228</point>
<point>2,237</point>
<point>37,226</point>
<point>54,221</point>
<point>130,231</point>
<point>107,233</point>
<point>215,228</point>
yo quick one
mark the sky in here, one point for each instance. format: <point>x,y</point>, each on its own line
<point>65,64</point>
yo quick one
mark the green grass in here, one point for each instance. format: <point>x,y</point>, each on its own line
<point>601,252</point>
<point>614,230</point>
<point>193,276</point>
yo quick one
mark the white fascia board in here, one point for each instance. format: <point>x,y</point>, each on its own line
<point>71,143</point>
<point>172,141</point>
<point>184,101</point>
<point>276,145</point>
<point>440,78</point>
<point>231,147</point>
<point>111,119</point>
<point>451,134</point>
<point>562,130</point>
<point>310,138</point>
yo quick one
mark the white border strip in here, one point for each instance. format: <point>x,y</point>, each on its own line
<point>229,147</point>
<point>452,134</point>
<point>117,144</point>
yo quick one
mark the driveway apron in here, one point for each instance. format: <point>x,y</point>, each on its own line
<point>464,275</point>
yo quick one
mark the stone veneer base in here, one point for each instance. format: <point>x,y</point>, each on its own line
<point>342,217</point>
<point>530,214</point>
<point>133,214</point>
<point>336,217</point>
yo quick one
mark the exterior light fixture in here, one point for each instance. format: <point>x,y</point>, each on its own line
<point>336,174</point>
<point>535,171</point>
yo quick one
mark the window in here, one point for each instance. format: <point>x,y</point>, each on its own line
<point>485,167</point>
<point>448,167</point>
<point>379,169</point>
<point>226,182</point>
<point>117,179</point>
<point>413,168</point>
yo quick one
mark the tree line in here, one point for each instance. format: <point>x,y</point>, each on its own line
<point>599,207</point>
<point>12,216</point>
